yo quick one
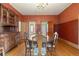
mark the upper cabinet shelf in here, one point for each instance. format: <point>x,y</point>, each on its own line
<point>7,17</point>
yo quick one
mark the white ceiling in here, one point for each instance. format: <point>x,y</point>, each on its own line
<point>31,9</point>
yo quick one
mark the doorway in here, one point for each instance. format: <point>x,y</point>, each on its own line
<point>44,30</point>
<point>32,28</point>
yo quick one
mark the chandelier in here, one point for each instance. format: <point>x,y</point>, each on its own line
<point>41,5</point>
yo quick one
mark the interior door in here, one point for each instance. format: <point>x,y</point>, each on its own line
<point>44,28</point>
<point>32,28</point>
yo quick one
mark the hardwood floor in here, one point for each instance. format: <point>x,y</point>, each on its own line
<point>62,49</point>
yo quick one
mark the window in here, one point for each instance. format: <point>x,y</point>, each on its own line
<point>20,26</point>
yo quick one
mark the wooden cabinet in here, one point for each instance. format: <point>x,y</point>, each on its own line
<point>11,18</point>
<point>7,17</point>
<point>8,27</point>
<point>4,16</point>
<point>9,40</point>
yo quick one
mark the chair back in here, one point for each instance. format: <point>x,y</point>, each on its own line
<point>55,38</point>
<point>34,41</point>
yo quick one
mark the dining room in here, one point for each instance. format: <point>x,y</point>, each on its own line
<point>39,29</point>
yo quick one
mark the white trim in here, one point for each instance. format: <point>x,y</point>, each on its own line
<point>71,44</point>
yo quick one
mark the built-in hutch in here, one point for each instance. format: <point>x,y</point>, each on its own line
<point>8,28</point>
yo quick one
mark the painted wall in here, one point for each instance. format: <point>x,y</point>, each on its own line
<point>69,14</point>
<point>69,31</point>
<point>52,19</point>
<point>68,24</point>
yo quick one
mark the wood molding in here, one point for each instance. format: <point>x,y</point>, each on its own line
<point>71,44</point>
<point>69,31</point>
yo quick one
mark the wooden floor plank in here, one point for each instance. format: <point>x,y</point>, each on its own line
<point>62,49</point>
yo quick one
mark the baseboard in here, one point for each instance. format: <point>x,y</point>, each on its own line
<point>71,44</point>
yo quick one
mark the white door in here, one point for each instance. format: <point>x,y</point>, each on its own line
<point>44,28</point>
<point>32,28</point>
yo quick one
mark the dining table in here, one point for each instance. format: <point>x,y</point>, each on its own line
<point>39,38</point>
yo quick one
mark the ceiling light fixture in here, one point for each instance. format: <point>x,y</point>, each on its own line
<point>41,5</point>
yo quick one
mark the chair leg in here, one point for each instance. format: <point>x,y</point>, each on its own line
<point>54,51</point>
<point>25,52</point>
<point>30,52</point>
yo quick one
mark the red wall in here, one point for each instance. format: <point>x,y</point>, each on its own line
<point>68,25</point>
<point>39,18</point>
<point>69,14</point>
<point>52,19</point>
<point>69,31</point>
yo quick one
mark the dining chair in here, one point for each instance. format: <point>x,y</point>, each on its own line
<point>44,46</point>
<point>28,47</point>
<point>35,45</point>
<point>27,44</point>
<point>55,40</point>
<point>30,44</point>
<point>51,44</point>
<point>44,49</point>
<point>36,50</point>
